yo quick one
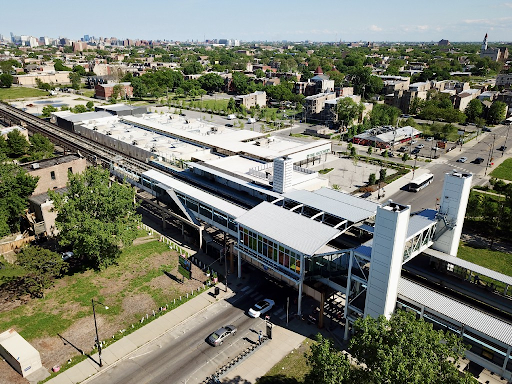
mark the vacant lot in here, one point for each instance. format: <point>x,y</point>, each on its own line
<point>504,171</point>
<point>141,282</point>
<point>20,92</point>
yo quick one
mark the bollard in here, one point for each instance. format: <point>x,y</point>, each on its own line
<point>180,298</point>
<point>153,312</point>
<point>174,301</point>
<point>187,295</point>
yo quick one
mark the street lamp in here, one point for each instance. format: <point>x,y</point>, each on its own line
<point>491,150</point>
<point>96,327</point>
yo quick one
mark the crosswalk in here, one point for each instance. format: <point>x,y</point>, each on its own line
<point>256,296</point>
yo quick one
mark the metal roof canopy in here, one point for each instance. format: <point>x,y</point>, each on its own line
<point>471,266</point>
<point>297,232</point>
<point>478,320</point>
<point>202,196</point>
<point>339,204</point>
<point>418,224</point>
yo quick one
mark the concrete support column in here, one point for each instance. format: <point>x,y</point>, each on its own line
<point>299,301</point>
<point>239,265</point>
<point>200,230</point>
<point>321,314</point>
<point>347,294</point>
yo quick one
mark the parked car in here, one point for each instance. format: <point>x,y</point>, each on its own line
<point>66,256</point>
<point>218,337</point>
<point>462,160</point>
<point>420,146</point>
<point>430,138</point>
<point>229,125</point>
<point>413,142</point>
<point>415,151</point>
<point>261,307</point>
<point>486,129</point>
<point>502,148</point>
<point>402,149</point>
<point>479,160</point>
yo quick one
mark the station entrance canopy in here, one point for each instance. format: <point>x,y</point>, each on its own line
<point>330,207</point>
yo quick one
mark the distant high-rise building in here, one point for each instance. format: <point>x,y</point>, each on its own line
<point>86,38</point>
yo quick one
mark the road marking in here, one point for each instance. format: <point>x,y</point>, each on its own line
<point>134,357</point>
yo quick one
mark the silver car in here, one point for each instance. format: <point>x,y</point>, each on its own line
<point>218,337</point>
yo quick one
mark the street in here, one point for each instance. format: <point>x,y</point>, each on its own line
<point>182,355</point>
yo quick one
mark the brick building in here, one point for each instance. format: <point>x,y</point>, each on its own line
<point>105,91</point>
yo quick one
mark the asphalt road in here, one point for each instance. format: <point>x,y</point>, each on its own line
<point>183,355</point>
<point>481,147</point>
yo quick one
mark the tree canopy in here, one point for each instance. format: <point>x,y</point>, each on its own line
<point>348,110</point>
<point>96,217</point>
<point>42,267</point>
<point>15,186</point>
<point>406,350</point>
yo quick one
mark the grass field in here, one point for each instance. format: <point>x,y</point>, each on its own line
<point>504,171</point>
<point>291,369</point>
<point>138,276</point>
<point>497,261</point>
<point>20,93</point>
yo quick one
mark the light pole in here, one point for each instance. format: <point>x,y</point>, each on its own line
<point>491,150</point>
<point>506,139</point>
<point>96,327</point>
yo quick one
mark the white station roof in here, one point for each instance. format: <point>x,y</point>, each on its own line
<point>343,205</point>
<point>198,194</point>
<point>453,309</point>
<point>298,232</point>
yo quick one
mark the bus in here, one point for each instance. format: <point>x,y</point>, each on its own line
<point>421,182</point>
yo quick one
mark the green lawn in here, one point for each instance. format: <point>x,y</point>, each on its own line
<point>497,261</point>
<point>70,299</point>
<point>20,93</point>
<point>291,369</point>
<point>504,171</point>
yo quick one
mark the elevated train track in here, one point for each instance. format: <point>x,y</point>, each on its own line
<point>69,141</point>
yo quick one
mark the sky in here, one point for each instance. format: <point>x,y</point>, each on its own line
<point>264,20</point>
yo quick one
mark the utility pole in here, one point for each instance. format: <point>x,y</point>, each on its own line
<point>506,139</point>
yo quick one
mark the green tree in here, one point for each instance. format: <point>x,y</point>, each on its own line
<point>231,105</point>
<point>353,151</point>
<point>405,350</point>
<point>15,186</point>
<point>372,179</point>
<point>40,147</point>
<point>89,105</point>
<point>17,144</point>
<point>96,216</point>
<point>211,82</point>
<point>192,68</point>
<point>48,109</point>
<point>370,150</point>
<point>348,110</point>
<point>79,108</point>
<point>240,83</point>
<point>497,112</point>
<point>382,175</point>
<point>474,110</point>
<point>75,80</point>
<point>59,66</point>
<point>383,114</point>
<point>259,73</point>
<point>328,365</point>
<point>43,267</point>
<point>6,80</point>
<point>80,70</point>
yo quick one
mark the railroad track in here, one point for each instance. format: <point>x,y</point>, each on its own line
<point>71,141</point>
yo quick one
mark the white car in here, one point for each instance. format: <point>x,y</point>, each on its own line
<point>420,146</point>
<point>66,256</point>
<point>462,160</point>
<point>430,138</point>
<point>261,307</point>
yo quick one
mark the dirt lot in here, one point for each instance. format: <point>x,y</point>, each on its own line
<point>135,287</point>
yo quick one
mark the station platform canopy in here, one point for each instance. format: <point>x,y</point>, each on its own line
<point>462,313</point>
<point>297,232</point>
<point>342,205</point>
<point>470,266</point>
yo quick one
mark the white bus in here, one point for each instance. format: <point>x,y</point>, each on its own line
<point>421,182</point>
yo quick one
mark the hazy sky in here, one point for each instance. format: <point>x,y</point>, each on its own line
<point>293,20</point>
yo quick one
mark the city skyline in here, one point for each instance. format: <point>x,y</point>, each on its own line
<point>372,20</point>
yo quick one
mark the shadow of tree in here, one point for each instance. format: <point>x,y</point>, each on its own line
<point>235,380</point>
<point>277,379</point>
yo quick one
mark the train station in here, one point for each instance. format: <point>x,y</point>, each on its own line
<point>363,257</point>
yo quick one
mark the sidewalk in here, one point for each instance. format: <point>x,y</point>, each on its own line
<point>120,349</point>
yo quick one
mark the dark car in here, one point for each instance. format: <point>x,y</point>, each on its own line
<point>218,337</point>
<point>479,160</point>
<point>402,149</point>
<point>229,125</point>
<point>415,151</point>
<point>502,148</point>
<point>485,129</point>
